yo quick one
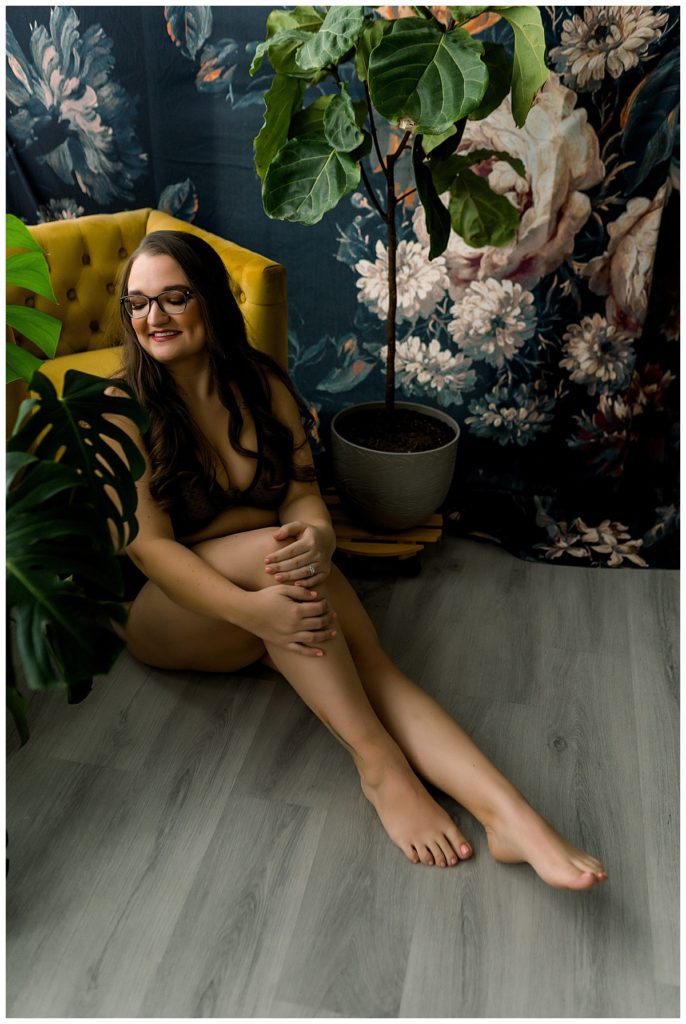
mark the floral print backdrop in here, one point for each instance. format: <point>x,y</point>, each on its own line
<point>557,354</point>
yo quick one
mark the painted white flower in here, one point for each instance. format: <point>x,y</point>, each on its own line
<point>560,153</point>
<point>598,355</point>
<point>511,416</point>
<point>611,539</point>
<point>59,209</point>
<point>421,284</point>
<point>624,272</point>
<point>607,40</point>
<point>493,320</point>
<point>435,369</point>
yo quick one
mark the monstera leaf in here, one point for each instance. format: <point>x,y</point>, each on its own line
<point>424,78</point>
<point>63,635</point>
<point>72,430</point>
<point>60,556</point>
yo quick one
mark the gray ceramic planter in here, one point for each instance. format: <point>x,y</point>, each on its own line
<point>393,490</point>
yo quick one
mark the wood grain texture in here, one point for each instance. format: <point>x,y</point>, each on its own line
<point>197,845</point>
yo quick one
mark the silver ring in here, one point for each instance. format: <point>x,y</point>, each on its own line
<point>311,569</point>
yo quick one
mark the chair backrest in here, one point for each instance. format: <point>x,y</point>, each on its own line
<point>86,254</point>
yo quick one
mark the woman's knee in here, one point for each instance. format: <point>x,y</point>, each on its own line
<point>240,556</point>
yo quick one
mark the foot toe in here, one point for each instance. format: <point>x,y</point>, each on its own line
<point>439,855</point>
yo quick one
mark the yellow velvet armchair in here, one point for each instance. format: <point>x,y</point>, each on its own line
<point>85,256</point>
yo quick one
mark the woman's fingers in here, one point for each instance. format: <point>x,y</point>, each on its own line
<point>299,562</point>
<point>299,547</point>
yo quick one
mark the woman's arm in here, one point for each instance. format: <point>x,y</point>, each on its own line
<point>304,517</point>
<point>273,613</point>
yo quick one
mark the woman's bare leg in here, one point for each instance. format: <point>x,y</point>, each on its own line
<point>442,752</point>
<point>162,633</point>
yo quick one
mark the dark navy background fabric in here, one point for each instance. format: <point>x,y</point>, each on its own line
<point>554,355</point>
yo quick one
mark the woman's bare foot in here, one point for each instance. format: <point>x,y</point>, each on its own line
<point>520,835</point>
<point>412,818</point>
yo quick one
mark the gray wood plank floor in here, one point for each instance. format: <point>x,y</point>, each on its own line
<point>188,845</point>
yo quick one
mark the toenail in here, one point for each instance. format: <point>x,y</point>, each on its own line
<point>464,849</point>
<point>453,860</point>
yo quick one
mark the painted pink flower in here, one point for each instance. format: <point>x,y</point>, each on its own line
<point>560,153</point>
<point>624,272</point>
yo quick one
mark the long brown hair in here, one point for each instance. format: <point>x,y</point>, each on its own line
<point>179,453</point>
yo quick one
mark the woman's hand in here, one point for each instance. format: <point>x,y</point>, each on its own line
<point>311,550</point>
<point>289,617</point>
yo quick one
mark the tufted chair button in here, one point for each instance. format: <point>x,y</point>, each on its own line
<point>85,259</point>
<point>122,253</point>
<point>71,294</point>
<point>30,301</point>
<point>242,296</point>
<point>94,326</point>
<point>110,288</point>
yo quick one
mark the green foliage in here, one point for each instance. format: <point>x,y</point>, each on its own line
<point>425,76</point>
<point>306,179</point>
<point>478,214</point>
<point>420,76</point>
<point>332,40</point>
<point>528,71</point>
<point>60,556</point>
<point>282,99</point>
<point>340,125</point>
<point>28,270</point>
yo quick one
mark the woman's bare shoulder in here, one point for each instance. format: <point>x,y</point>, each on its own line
<point>113,391</point>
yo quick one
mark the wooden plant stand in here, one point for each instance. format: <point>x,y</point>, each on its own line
<point>352,539</point>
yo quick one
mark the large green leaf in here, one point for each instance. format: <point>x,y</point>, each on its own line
<point>337,34</point>
<point>30,270</point>
<point>463,14</point>
<point>20,364</point>
<point>437,217</point>
<point>73,428</point>
<point>369,38</point>
<point>17,235</point>
<point>340,124</point>
<point>480,215</point>
<point>426,77</point>
<point>39,327</point>
<point>309,122</point>
<point>282,98</point>
<point>306,179</point>
<point>499,66</point>
<point>528,71</point>
<point>308,18</point>
<point>281,50</point>
<point>63,635</point>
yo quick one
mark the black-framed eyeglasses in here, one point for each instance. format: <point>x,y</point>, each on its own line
<point>170,301</point>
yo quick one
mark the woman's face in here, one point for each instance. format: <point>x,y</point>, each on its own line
<point>168,335</point>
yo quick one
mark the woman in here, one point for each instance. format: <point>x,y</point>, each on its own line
<point>227,462</point>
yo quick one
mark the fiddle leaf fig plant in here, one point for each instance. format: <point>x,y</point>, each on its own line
<point>422,77</point>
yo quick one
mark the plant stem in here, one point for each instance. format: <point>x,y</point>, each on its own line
<point>391,204</point>
<point>372,125</point>
<point>371,193</point>
<point>392,288</point>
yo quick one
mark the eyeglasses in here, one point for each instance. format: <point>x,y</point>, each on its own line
<point>172,301</point>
